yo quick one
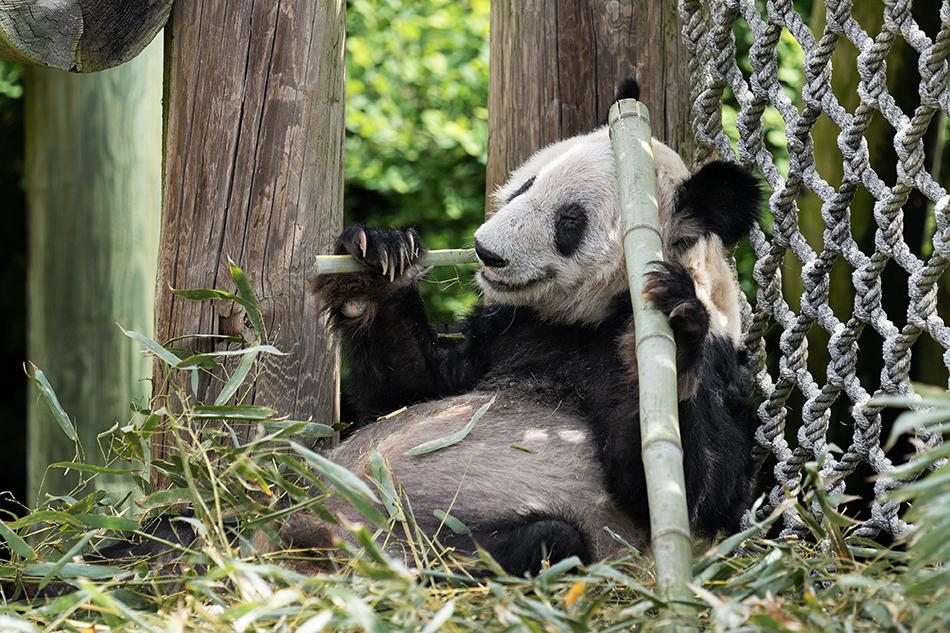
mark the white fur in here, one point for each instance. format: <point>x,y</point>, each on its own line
<point>716,286</point>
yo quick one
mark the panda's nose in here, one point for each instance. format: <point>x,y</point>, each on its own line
<point>489,258</point>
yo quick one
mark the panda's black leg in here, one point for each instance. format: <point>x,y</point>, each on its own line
<point>672,290</point>
<point>522,546</point>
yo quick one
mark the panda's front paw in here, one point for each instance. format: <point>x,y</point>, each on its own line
<point>671,289</point>
<point>353,299</point>
<point>387,251</point>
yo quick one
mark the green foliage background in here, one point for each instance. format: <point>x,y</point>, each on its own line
<point>417,126</point>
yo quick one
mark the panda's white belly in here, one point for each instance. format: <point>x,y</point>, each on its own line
<point>521,458</point>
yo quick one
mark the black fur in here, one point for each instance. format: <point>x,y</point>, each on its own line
<point>627,89</point>
<point>569,228</point>
<point>523,188</point>
<point>522,545</point>
<point>722,198</point>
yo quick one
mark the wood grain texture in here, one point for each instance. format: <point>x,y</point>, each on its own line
<point>254,172</point>
<point>93,170</point>
<point>555,64</point>
<point>79,35</point>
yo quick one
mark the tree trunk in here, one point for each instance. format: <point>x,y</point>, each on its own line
<point>254,173</point>
<point>93,171</point>
<point>555,64</point>
<point>78,35</point>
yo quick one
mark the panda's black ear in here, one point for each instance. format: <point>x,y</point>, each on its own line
<point>722,198</point>
<point>627,89</point>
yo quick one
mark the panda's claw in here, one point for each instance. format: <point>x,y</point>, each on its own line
<point>388,253</point>
<point>361,240</point>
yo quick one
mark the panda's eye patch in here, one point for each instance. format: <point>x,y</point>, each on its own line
<point>522,188</point>
<point>569,228</point>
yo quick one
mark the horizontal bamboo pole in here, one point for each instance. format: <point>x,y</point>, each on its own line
<point>662,450</point>
<point>331,264</point>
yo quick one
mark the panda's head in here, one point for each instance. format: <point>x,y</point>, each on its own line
<point>555,243</point>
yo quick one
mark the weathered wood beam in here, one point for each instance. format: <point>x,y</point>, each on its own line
<point>78,35</point>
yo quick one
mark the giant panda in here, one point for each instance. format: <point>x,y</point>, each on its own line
<point>553,468</point>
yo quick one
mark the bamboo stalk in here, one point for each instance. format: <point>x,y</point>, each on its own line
<point>662,450</point>
<point>331,264</point>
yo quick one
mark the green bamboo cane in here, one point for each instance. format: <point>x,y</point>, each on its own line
<point>662,450</point>
<point>330,264</point>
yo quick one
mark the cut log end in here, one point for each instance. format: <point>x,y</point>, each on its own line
<point>79,35</point>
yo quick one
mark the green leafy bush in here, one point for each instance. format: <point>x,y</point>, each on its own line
<point>417,126</point>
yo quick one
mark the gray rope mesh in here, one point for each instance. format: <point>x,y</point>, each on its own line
<point>708,33</point>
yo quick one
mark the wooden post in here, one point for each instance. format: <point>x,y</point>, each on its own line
<point>555,65</point>
<point>254,172</point>
<point>93,172</point>
<point>78,35</point>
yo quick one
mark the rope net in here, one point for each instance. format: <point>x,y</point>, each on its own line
<point>842,398</point>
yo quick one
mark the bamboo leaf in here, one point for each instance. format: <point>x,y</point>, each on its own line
<point>451,522</point>
<point>105,522</point>
<point>164,498</point>
<point>17,545</point>
<point>454,438</point>
<point>46,390</point>
<point>14,624</point>
<point>45,516</point>
<point>205,294</point>
<point>440,618</point>
<point>559,568</point>
<point>211,357</point>
<point>71,571</point>
<point>152,346</point>
<point>349,485</point>
<point>385,484</point>
<point>65,558</point>
<point>248,298</point>
<point>235,412</point>
<point>912,420</point>
<point>92,468</point>
<point>317,623</point>
<point>303,429</point>
<point>237,378</point>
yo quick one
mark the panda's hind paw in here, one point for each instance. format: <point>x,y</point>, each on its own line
<point>671,289</point>
<point>389,252</point>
